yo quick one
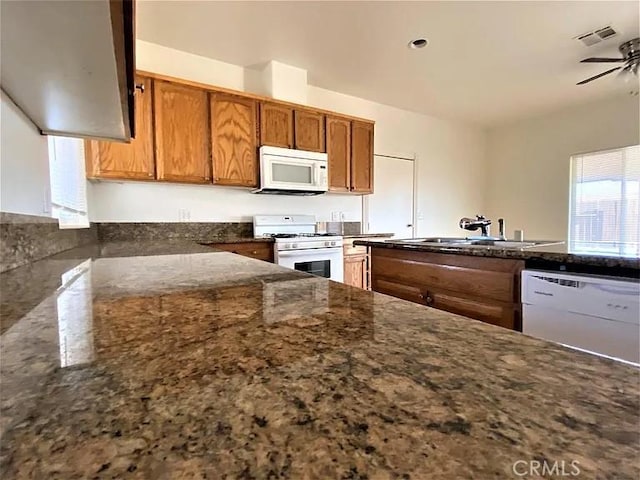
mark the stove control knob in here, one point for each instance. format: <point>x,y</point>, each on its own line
<point>327,244</point>
<point>286,245</point>
<point>333,243</point>
<point>294,245</point>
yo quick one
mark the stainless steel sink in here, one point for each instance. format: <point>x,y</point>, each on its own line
<point>475,242</point>
<point>513,244</point>
<point>439,240</point>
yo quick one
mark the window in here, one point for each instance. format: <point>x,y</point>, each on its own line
<point>68,182</point>
<point>605,194</point>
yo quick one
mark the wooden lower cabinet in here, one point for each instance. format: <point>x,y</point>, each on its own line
<point>355,270</point>
<point>356,265</point>
<point>258,250</point>
<point>486,289</point>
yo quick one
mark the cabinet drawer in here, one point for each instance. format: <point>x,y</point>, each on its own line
<point>501,314</point>
<point>464,280</point>
<point>257,250</point>
<point>496,313</point>
<point>350,249</point>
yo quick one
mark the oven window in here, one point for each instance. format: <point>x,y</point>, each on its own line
<point>321,268</point>
<point>283,172</point>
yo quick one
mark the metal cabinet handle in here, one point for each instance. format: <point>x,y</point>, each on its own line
<point>140,86</point>
<point>427,298</point>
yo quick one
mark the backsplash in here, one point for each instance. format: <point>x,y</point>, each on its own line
<point>199,232</point>
<point>27,238</point>
<point>344,228</point>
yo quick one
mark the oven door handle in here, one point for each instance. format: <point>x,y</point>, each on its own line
<point>309,251</point>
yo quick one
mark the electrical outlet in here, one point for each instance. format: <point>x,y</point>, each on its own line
<point>335,216</point>
<point>420,215</point>
<point>342,216</point>
<point>184,215</point>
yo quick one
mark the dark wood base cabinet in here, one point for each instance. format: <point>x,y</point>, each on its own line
<point>258,250</point>
<point>486,289</point>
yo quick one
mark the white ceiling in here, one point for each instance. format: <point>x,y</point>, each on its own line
<point>487,62</point>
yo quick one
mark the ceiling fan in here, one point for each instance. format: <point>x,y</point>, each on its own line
<point>630,57</point>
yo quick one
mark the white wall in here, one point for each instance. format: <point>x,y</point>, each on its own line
<point>528,161</point>
<point>450,159</point>
<point>24,163</point>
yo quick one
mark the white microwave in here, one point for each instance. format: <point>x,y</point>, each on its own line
<point>285,171</point>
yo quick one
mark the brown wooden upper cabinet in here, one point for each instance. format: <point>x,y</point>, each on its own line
<point>133,161</point>
<point>339,153</point>
<point>309,131</point>
<point>276,125</point>
<point>234,140</point>
<point>361,157</point>
<point>182,143</point>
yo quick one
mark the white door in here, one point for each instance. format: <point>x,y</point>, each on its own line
<point>390,208</point>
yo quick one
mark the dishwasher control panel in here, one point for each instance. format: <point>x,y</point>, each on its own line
<point>605,297</point>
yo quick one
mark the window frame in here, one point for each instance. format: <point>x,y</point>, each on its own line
<point>572,202</point>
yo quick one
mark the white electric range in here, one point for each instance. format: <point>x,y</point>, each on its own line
<point>299,247</point>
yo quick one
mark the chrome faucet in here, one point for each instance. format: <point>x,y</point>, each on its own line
<point>501,234</point>
<point>480,222</point>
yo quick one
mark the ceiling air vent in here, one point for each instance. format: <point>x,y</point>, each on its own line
<point>597,36</point>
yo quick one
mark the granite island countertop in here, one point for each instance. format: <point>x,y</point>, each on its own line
<point>188,363</point>
<point>552,253</point>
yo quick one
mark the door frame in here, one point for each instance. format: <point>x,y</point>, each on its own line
<point>413,157</point>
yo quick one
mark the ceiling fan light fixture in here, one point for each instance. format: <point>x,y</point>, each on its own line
<point>418,43</point>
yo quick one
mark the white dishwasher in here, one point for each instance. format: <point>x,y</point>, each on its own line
<point>597,314</point>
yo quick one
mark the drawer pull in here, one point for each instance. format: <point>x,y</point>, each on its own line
<point>427,298</point>
<point>255,252</point>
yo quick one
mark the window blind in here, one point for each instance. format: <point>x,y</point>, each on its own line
<point>68,182</point>
<point>604,214</point>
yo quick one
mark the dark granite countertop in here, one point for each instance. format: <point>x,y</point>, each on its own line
<point>369,235</point>
<point>184,363</point>
<point>551,253</point>
<point>239,240</point>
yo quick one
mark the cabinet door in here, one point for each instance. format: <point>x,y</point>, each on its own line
<point>181,133</point>
<point>361,157</point>
<point>355,270</point>
<point>276,125</point>
<point>127,160</point>
<point>339,153</point>
<point>233,140</point>
<point>309,131</point>
<point>258,250</point>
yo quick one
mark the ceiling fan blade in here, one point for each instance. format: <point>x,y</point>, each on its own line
<point>602,60</point>
<point>598,76</point>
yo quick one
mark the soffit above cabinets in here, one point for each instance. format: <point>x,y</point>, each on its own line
<point>69,65</point>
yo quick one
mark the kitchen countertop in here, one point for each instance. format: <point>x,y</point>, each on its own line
<point>369,235</point>
<point>551,253</point>
<point>240,240</point>
<point>187,363</point>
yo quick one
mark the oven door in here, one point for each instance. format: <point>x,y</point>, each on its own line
<point>323,262</point>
